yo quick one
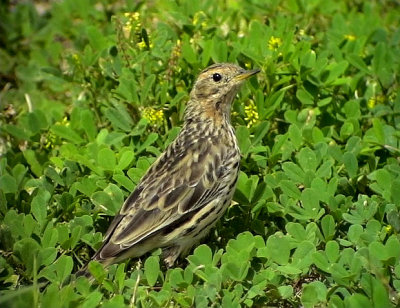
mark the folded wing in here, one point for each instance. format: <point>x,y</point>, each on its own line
<point>180,182</point>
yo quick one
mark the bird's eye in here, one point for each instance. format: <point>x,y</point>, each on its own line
<point>216,77</point>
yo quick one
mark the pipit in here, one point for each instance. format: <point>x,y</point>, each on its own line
<point>189,187</point>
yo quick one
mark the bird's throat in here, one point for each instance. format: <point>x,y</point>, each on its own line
<point>213,112</point>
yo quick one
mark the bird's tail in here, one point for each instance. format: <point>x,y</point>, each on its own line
<point>83,272</point>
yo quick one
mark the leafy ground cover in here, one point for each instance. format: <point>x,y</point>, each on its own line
<point>91,93</point>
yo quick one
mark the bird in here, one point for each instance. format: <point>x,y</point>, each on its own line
<point>191,184</point>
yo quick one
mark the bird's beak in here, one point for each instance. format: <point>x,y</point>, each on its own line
<point>246,74</point>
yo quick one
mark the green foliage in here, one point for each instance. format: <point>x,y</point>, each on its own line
<point>92,91</point>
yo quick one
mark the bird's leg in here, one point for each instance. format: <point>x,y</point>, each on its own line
<point>170,254</point>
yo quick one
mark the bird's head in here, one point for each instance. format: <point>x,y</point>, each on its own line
<point>216,87</point>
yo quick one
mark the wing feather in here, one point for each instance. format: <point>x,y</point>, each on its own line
<point>181,181</point>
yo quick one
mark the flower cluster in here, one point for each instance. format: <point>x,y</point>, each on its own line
<point>50,140</point>
<point>350,37</point>
<point>132,23</point>
<point>274,43</point>
<point>373,101</point>
<point>200,18</point>
<point>154,116</point>
<point>133,27</point>
<point>251,114</point>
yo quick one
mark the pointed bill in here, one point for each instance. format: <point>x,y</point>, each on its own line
<point>246,74</point>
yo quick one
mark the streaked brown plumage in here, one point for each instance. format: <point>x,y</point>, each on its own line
<point>189,187</point>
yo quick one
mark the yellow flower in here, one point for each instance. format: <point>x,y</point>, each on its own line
<point>155,117</point>
<point>350,37</point>
<point>64,121</point>
<point>141,44</point>
<point>274,43</point>
<point>176,51</point>
<point>373,101</point>
<point>76,59</point>
<point>251,114</point>
<point>200,18</point>
<point>49,141</point>
<point>132,22</point>
<point>133,16</point>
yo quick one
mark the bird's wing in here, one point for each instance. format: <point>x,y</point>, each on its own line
<point>182,180</point>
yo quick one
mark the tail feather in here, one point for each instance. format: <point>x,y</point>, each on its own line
<point>83,272</point>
